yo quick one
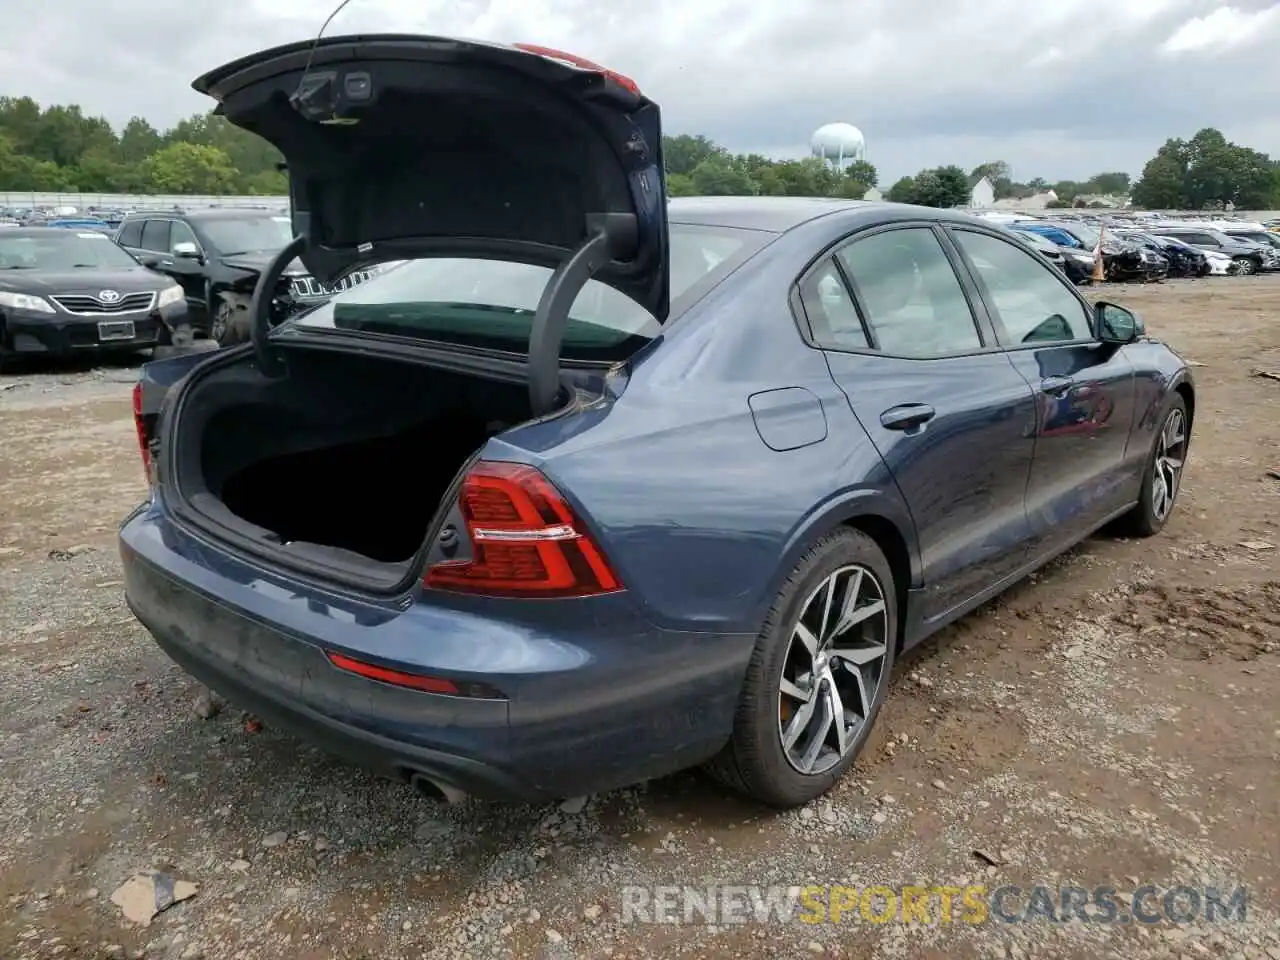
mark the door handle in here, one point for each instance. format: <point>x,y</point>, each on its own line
<point>907,416</point>
<point>1056,386</point>
<point>166,263</point>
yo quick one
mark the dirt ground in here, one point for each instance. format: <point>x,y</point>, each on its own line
<point>1113,721</point>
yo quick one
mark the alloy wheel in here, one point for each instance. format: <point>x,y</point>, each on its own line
<point>1171,452</point>
<point>833,669</point>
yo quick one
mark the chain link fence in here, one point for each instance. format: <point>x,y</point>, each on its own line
<point>129,201</point>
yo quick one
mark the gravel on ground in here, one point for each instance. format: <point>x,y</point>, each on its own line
<point>1115,720</point>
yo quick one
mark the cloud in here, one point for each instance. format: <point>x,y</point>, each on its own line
<point>1224,29</point>
<point>1057,90</point>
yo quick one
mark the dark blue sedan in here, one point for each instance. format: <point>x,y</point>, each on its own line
<point>594,487</point>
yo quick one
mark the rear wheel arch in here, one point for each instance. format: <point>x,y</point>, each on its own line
<point>872,512</point>
<point>889,538</point>
<point>1188,394</point>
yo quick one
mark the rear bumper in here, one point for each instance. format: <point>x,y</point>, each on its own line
<point>242,682</point>
<point>586,711</point>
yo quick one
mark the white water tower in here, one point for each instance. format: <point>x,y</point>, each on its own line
<point>840,144</point>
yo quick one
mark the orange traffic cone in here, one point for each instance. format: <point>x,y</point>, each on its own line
<point>1099,274</point>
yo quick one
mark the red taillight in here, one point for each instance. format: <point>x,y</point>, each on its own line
<point>398,678</point>
<point>526,540</point>
<point>581,63</point>
<point>140,425</point>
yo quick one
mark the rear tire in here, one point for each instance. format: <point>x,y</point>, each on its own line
<point>1246,265</point>
<point>1162,478</point>
<point>787,745</point>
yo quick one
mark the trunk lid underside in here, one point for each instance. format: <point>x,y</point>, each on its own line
<point>406,146</point>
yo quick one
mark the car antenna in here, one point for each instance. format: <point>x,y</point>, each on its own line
<point>297,94</point>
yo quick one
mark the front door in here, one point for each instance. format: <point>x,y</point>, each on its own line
<point>188,271</point>
<point>1085,390</point>
<point>950,416</point>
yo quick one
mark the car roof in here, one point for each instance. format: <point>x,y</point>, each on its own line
<point>780,214</point>
<point>217,213</point>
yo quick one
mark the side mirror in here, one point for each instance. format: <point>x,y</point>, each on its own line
<point>186,250</point>
<point>1118,325</point>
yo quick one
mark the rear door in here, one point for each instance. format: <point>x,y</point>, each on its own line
<point>949,414</point>
<point>1085,389</point>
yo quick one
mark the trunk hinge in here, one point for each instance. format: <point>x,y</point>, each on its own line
<point>264,292</point>
<point>611,236</point>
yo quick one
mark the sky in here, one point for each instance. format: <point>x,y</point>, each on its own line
<point>1060,89</point>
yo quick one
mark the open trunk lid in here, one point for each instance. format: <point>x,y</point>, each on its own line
<point>402,146</point>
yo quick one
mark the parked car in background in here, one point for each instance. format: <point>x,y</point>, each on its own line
<point>1121,260</point>
<point>1043,246</point>
<point>1264,238</point>
<point>80,223</point>
<point>477,523</point>
<point>1183,260</point>
<point>67,291</point>
<point>217,256</point>
<point>1250,258</point>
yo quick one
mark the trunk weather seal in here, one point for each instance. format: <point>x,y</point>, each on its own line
<point>323,576</point>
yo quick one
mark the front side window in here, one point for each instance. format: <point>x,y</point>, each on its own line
<point>915,306</point>
<point>1029,300</point>
<point>181,233</point>
<point>491,303</point>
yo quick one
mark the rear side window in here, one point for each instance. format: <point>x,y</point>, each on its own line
<point>491,303</point>
<point>155,236</point>
<point>833,319</point>
<point>914,304</point>
<point>131,234</point>
<point>1030,301</point>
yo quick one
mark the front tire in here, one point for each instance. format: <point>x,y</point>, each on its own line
<point>1162,479</point>
<point>817,677</point>
<point>230,324</point>
<point>1246,265</point>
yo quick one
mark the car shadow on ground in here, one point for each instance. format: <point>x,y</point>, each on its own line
<point>248,777</point>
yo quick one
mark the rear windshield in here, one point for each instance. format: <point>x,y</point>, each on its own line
<point>490,303</point>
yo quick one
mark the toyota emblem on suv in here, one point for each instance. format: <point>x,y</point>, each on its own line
<point>108,296</point>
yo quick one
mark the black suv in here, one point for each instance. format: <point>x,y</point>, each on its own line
<point>217,256</point>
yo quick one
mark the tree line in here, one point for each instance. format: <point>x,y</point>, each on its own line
<point>59,149</point>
